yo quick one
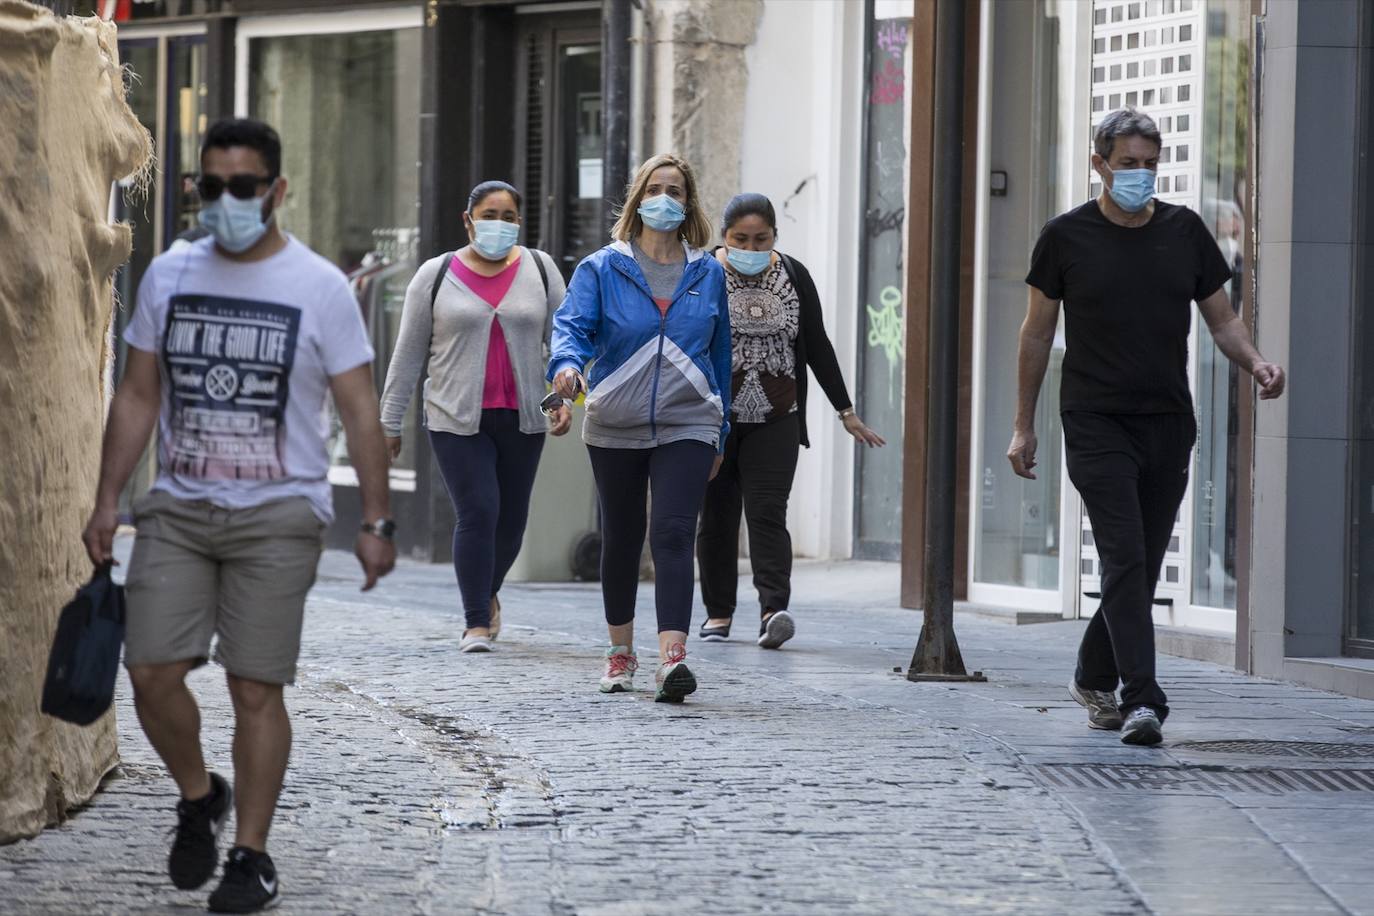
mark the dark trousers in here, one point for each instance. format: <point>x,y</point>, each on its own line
<point>489,477</point>
<point>756,480</point>
<point>677,474</point>
<point>1131,471</point>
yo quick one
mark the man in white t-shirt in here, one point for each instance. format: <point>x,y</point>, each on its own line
<point>235,341</point>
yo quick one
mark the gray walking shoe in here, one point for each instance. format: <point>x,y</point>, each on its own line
<point>1142,727</point>
<point>1100,704</point>
<point>776,630</point>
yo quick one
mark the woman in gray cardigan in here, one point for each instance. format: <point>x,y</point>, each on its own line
<point>481,316</point>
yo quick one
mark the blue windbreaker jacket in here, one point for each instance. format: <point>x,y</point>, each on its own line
<point>655,378</point>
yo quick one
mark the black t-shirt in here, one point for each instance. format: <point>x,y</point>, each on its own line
<point>1128,297</point>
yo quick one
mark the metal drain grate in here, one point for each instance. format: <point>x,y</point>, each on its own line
<point>1316,750</point>
<point>1194,779</point>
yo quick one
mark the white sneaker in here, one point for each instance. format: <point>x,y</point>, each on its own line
<point>474,643</point>
<point>621,665</point>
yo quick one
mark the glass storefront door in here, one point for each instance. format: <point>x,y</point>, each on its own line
<point>1186,63</point>
<point>882,272</point>
<point>1033,114</point>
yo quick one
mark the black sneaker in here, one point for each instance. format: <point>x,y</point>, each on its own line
<point>776,629</point>
<point>195,850</point>
<point>249,883</point>
<point>714,634</point>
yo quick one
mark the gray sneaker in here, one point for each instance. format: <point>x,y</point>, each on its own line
<point>776,630</point>
<point>1142,727</point>
<point>1100,704</point>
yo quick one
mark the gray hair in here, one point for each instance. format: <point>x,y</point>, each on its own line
<point>1124,122</point>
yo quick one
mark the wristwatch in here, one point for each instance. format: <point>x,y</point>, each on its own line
<point>383,528</point>
<point>846,413</point>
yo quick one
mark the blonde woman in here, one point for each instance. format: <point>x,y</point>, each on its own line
<point>651,310</point>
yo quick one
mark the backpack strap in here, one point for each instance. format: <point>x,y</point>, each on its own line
<point>543,271</point>
<point>438,282</point>
<point>439,278</point>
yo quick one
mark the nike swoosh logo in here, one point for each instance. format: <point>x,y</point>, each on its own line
<point>269,886</point>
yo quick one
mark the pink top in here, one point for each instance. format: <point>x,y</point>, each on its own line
<point>499,391</point>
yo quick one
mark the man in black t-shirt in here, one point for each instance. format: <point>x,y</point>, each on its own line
<point>1127,268</point>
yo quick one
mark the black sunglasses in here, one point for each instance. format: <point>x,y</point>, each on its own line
<point>243,187</point>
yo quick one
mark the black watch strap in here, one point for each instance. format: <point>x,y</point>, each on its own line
<point>383,528</point>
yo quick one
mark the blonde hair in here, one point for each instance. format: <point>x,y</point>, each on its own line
<point>695,229</point>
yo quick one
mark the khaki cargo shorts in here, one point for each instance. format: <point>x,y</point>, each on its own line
<point>199,570</point>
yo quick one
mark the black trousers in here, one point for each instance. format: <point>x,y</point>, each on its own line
<point>677,473</point>
<point>1132,471</point>
<point>756,479</point>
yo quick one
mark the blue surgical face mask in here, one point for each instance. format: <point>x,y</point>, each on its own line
<point>1132,189</point>
<point>494,238</point>
<point>237,225</point>
<point>662,213</point>
<point>749,263</point>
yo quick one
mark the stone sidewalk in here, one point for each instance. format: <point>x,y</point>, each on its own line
<point>811,780</point>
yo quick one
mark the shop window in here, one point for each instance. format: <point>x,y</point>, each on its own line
<point>355,92</point>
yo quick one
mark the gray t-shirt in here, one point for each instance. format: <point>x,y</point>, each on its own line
<point>246,351</point>
<point>663,278</point>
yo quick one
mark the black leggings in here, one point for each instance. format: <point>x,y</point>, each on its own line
<point>677,473</point>
<point>489,477</point>
<point>756,480</point>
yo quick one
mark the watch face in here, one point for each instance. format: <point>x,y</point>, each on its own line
<point>386,528</point>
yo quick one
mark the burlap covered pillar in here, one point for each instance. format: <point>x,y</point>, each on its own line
<point>65,135</point>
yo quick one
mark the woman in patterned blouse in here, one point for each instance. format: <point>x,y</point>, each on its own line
<point>776,333</point>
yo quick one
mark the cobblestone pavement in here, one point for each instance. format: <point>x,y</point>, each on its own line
<point>811,780</point>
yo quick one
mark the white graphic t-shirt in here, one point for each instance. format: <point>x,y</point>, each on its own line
<point>246,351</point>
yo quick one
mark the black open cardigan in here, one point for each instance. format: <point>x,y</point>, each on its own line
<point>813,347</point>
